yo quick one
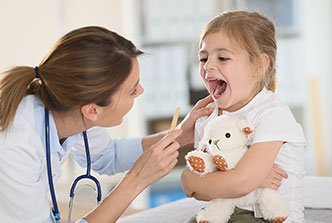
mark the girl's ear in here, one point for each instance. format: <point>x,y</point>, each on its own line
<point>90,111</point>
<point>265,62</point>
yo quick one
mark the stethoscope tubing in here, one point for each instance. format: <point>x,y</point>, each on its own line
<point>88,171</point>
<point>55,209</point>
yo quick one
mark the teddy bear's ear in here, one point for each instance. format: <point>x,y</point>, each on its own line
<point>245,126</point>
<point>247,130</point>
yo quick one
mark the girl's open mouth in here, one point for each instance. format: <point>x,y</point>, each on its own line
<point>217,87</point>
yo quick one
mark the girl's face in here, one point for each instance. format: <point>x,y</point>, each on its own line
<point>227,72</point>
<point>123,100</point>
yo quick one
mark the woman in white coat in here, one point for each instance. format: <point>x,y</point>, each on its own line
<point>88,81</point>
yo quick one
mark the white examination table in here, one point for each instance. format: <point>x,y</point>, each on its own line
<point>317,200</point>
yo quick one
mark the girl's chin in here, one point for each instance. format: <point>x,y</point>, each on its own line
<point>221,103</point>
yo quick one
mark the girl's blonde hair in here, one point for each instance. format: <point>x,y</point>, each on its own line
<point>87,65</point>
<point>254,33</point>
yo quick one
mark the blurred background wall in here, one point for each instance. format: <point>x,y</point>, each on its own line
<point>168,31</point>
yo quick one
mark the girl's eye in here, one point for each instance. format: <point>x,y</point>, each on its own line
<point>223,59</point>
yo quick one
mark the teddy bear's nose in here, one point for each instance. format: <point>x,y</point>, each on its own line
<point>210,141</point>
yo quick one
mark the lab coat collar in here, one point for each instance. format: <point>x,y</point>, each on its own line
<point>56,147</point>
<point>54,138</point>
<point>40,127</point>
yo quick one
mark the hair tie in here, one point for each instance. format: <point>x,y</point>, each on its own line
<point>36,72</point>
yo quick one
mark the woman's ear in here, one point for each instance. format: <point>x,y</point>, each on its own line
<point>90,111</point>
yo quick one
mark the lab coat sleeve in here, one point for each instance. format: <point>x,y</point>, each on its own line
<point>108,156</point>
<point>23,196</point>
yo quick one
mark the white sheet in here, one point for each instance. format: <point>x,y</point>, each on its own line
<point>317,200</point>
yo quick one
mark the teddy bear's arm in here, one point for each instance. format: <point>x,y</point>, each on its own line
<point>220,162</point>
<point>200,162</point>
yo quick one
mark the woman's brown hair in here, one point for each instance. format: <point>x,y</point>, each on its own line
<point>87,65</point>
<point>254,33</point>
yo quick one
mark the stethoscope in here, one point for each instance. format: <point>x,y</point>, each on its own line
<point>55,210</point>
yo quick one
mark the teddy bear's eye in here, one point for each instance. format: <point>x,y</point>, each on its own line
<point>228,135</point>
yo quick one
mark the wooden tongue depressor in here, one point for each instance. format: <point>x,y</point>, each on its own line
<point>175,119</point>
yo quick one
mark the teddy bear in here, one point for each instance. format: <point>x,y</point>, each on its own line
<point>225,140</point>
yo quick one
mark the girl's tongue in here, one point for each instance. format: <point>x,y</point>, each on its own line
<point>218,87</point>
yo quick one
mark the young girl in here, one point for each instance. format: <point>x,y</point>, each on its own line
<point>237,64</point>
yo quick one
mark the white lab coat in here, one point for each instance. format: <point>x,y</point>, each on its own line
<point>23,174</point>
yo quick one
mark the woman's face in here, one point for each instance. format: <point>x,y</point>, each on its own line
<point>227,72</point>
<point>123,100</point>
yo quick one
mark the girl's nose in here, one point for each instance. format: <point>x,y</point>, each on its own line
<point>209,70</point>
<point>209,65</point>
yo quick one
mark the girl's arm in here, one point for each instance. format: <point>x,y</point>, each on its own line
<point>156,162</point>
<point>249,174</point>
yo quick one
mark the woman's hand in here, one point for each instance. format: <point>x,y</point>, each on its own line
<point>158,160</point>
<point>273,180</point>
<point>188,123</point>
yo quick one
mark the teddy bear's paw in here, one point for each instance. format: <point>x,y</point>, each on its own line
<point>203,221</point>
<point>197,163</point>
<point>218,211</point>
<point>220,162</point>
<point>278,220</point>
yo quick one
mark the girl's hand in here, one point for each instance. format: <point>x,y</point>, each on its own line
<point>188,123</point>
<point>273,180</point>
<point>186,176</point>
<point>187,179</point>
<point>158,160</point>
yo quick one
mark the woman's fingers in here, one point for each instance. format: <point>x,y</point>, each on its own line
<point>172,164</point>
<point>200,108</point>
<point>168,139</point>
<point>203,102</point>
<point>188,123</point>
<point>162,156</point>
<point>201,112</point>
<point>168,157</point>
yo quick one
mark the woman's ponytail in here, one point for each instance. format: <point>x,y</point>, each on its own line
<point>14,85</point>
<point>87,65</point>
